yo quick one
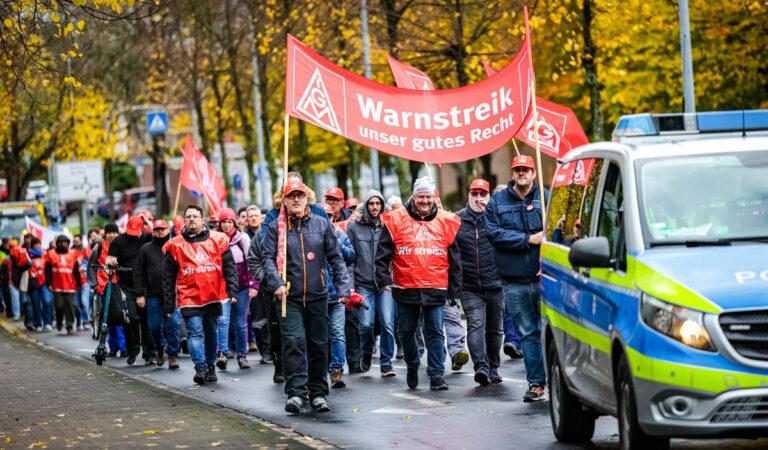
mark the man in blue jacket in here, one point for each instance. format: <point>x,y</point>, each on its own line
<point>514,226</point>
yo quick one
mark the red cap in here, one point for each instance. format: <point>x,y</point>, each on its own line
<point>293,186</point>
<point>479,184</point>
<point>523,161</point>
<point>135,224</point>
<point>335,192</point>
<point>146,213</point>
<point>159,224</point>
<point>227,214</point>
<point>352,202</point>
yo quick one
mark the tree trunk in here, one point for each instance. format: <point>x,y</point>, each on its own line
<point>342,175</point>
<point>590,70</point>
<point>158,175</point>
<point>269,155</point>
<point>354,169</point>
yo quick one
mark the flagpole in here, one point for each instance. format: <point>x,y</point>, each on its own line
<point>517,150</point>
<point>532,89</point>
<point>178,184</point>
<point>282,205</point>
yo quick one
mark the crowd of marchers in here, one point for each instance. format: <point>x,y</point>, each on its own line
<point>316,288</point>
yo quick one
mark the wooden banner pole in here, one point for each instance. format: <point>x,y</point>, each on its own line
<point>282,205</point>
<point>532,90</point>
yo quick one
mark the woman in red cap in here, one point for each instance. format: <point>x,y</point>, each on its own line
<point>234,315</point>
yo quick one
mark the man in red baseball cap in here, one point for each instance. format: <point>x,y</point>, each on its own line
<point>335,198</point>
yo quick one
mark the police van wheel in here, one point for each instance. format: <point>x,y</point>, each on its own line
<point>570,421</point>
<point>631,436</point>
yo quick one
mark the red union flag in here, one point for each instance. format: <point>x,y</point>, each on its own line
<point>408,77</point>
<point>429,126</point>
<point>197,174</point>
<point>559,129</point>
<point>575,172</point>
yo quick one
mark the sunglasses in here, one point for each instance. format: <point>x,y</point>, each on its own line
<point>478,193</point>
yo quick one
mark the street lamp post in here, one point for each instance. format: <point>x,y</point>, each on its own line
<point>689,99</point>
<point>375,182</point>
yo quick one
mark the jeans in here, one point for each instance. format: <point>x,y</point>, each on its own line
<point>455,334</point>
<point>222,323</point>
<point>510,331</point>
<point>522,300</point>
<point>484,310</point>
<point>36,307</point>
<point>237,323</point>
<point>382,305</point>
<point>47,299</point>
<point>83,303</point>
<point>305,348</point>
<point>337,318</point>
<point>201,339</point>
<point>408,322</point>
<point>26,307</point>
<point>15,301</point>
<point>164,330</point>
<point>116,338</point>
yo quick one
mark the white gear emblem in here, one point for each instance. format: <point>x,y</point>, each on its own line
<point>424,234</point>
<point>316,104</point>
<point>201,255</point>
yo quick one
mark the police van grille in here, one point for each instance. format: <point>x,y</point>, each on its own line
<point>747,332</point>
<point>752,409</point>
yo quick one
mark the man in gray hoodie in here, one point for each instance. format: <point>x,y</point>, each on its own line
<point>364,232</point>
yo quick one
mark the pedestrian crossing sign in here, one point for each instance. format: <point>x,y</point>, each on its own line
<point>157,122</point>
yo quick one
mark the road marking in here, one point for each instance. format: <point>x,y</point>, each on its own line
<point>420,400</point>
<point>400,411</point>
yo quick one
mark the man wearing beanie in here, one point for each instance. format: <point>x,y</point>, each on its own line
<point>419,243</point>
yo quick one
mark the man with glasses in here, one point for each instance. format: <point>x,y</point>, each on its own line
<point>335,198</point>
<point>199,274</point>
<point>481,296</point>
<point>513,224</point>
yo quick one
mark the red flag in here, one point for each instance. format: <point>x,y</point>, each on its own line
<point>575,172</point>
<point>559,129</point>
<point>197,174</point>
<point>408,77</point>
<point>439,126</point>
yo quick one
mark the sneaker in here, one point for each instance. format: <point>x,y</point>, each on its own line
<point>386,372</point>
<point>534,393</point>
<point>38,329</point>
<point>173,363</point>
<point>58,328</point>
<point>184,346</point>
<point>494,376</point>
<point>319,404</point>
<point>355,368</point>
<point>437,384</point>
<point>294,405</point>
<point>29,327</point>
<point>278,378</point>
<point>48,328</point>
<point>365,364</point>
<point>200,375</point>
<point>459,359</point>
<point>112,354</point>
<point>131,360</point>
<point>252,347</point>
<point>266,359</point>
<point>221,361</point>
<point>151,361</point>
<point>160,357</point>
<point>230,355</point>
<point>337,379</point>
<point>512,351</point>
<point>210,376</point>
<point>86,327</point>
<point>482,378</point>
<point>70,332</point>
<point>412,378</point>
<point>243,363</point>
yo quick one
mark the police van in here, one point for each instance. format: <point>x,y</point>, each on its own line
<point>655,281</point>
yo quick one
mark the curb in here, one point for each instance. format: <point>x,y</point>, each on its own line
<point>290,433</point>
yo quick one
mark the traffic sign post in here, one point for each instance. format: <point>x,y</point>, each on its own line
<point>157,122</point>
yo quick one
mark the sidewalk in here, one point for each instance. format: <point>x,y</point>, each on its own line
<point>52,401</point>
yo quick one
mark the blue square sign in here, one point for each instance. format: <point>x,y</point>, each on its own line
<point>157,122</point>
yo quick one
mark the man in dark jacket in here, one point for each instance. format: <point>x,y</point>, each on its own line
<point>123,252</point>
<point>261,306</point>
<point>513,224</point>
<point>481,295</point>
<point>149,291</point>
<point>419,242</point>
<point>364,232</point>
<point>311,247</point>
<point>335,198</point>
<point>199,274</point>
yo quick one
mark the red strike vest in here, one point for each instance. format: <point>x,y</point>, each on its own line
<point>63,277</point>
<point>37,272</point>
<point>421,248</point>
<point>101,275</point>
<point>200,280</point>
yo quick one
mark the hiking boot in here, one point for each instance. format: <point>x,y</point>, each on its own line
<point>494,376</point>
<point>512,351</point>
<point>437,384</point>
<point>294,405</point>
<point>252,347</point>
<point>459,359</point>
<point>482,378</point>
<point>221,361</point>
<point>243,363</point>
<point>173,362</point>
<point>210,376</point>
<point>160,357</point>
<point>386,372</point>
<point>70,331</point>
<point>131,360</point>
<point>184,346</point>
<point>412,378</point>
<point>355,368</point>
<point>365,364</point>
<point>337,380</point>
<point>200,375</point>
<point>319,404</point>
<point>534,393</point>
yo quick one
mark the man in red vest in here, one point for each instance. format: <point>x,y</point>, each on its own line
<point>419,243</point>
<point>199,274</point>
<point>64,278</point>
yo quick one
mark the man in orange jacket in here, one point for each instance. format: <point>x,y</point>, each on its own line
<point>64,278</point>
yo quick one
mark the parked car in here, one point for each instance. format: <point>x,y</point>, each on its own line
<point>102,205</point>
<point>132,196</point>
<point>37,189</point>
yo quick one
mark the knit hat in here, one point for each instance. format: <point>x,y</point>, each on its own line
<point>424,185</point>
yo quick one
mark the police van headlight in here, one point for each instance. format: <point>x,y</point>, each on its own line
<point>681,324</point>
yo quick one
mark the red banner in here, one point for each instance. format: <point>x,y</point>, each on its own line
<point>429,126</point>
<point>197,174</point>
<point>408,77</point>
<point>559,129</point>
<point>576,172</point>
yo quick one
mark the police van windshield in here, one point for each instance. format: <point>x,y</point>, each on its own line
<point>704,199</point>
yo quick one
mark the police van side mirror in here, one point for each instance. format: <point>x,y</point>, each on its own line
<point>591,252</point>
